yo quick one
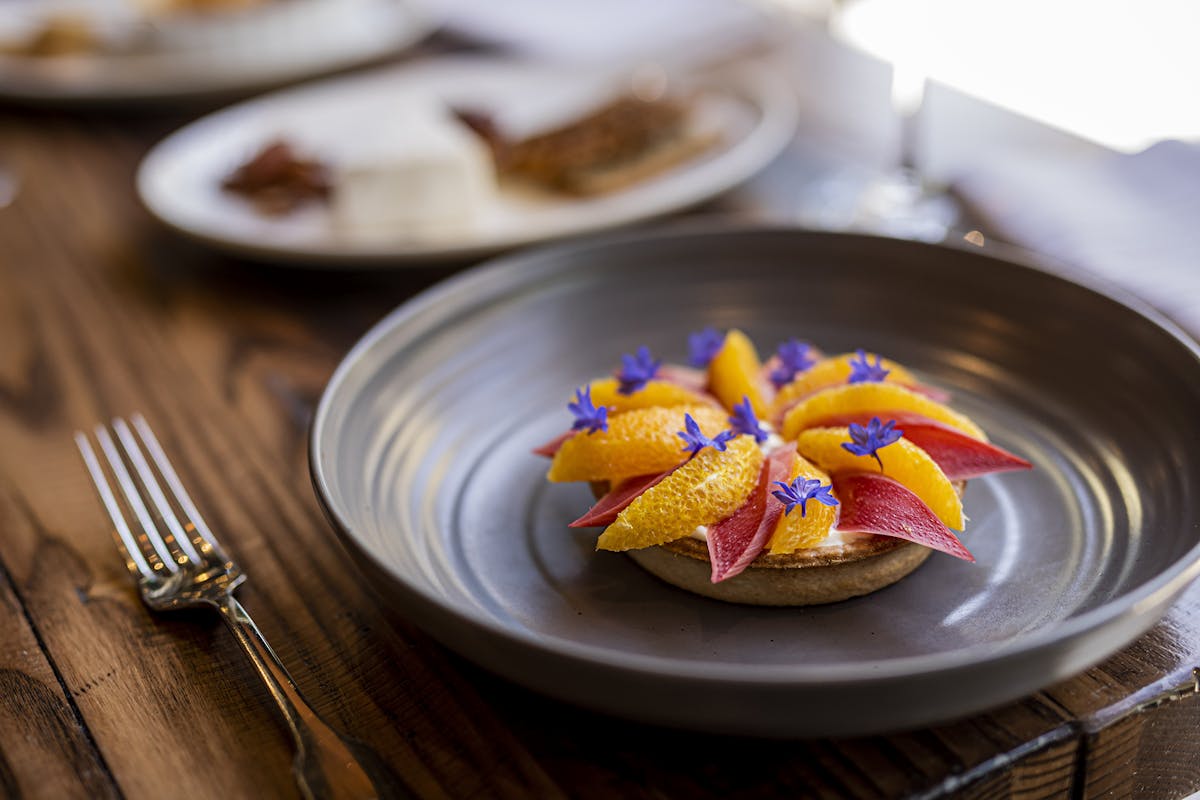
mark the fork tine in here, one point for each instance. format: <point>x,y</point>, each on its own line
<point>193,521</point>
<point>158,553</point>
<point>175,538</point>
<point>135,561</point>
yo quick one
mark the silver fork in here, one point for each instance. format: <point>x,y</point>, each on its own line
<point>178,563</point>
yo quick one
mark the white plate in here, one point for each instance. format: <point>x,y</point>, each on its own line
<point>179,181</point>
<point>220,57</point>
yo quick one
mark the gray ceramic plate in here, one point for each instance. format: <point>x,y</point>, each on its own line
<point>420,454</point>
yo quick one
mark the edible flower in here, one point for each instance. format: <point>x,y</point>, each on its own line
<point>695,440</point>
<point>636,370</point>
<point>704,346</point>
<point>863,371</point>
<point>744,422</point>
<point>800,491</point>
<point>869,440</point>
<point>587,416</point>
<point>793,358</point>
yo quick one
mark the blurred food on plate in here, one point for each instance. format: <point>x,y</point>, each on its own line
<point>432,167</point>
<point>278,179</point>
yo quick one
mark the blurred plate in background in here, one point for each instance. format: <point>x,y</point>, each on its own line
<point>217,53</point>
<point>753,112</point>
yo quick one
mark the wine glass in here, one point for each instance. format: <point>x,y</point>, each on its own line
<point>896,201</point>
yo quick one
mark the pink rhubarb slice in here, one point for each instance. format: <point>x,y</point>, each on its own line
<point>932,392</point>
<point>605,512</point>
<point>960,456</point>
<point>695,380</point>
<point>734,542</point>
<point>551,447</point>
<point>877,504</point>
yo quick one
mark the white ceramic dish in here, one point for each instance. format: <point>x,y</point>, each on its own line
<point>179,181</point>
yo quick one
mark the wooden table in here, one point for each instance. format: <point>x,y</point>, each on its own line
<point>102,314</point>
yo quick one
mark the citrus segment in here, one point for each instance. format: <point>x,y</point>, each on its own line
<point>705,490</point>
<point>735,372</point>
<point>833,371</point>
<point>875,398</point>
<point>902,461</point>
<point>654,393</point>
<point>795,531</point>
<point>638,442</point>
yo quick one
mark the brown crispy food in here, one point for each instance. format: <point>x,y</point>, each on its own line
<point>483,125</point>
<point>60,35</point>
<point>619,144</point>
<point>278,181</point>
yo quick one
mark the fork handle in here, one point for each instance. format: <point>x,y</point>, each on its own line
<point>324,767</point>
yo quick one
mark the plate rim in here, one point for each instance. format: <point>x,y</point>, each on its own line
<point>527,265</point>
<point>776,130</point>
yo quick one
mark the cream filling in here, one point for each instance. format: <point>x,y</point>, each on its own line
<point>834,538</point>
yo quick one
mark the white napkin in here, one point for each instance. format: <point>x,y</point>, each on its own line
<point>1131,219</point>
<point>609,31</point>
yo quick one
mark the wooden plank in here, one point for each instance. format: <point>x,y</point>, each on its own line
<point>1147,745</point>
<point>45,751</point>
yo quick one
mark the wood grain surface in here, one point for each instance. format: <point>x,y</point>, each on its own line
<point>103,314</point>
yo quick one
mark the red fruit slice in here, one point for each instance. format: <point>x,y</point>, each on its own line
<point>607,508</point>
<point>770,365</point>
<point>734,542</point>
<point>684,377</point>
<point>960,456</point>
<point>877,504</point>
<point>932,392</point>
<point>551,447</point>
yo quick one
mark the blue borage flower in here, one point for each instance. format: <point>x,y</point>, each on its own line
<point>800,491</point>
<point>587,416</point>
<point>636,370</point>
<point>794,358</point>
<point>704,346</point>
<point>743,421</point>
<point>869,440</point>
<point>863,371</point>
<point>695,440</point>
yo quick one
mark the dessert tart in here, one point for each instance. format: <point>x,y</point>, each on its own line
<point>808,479</point>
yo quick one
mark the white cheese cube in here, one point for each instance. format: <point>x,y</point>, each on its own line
<point>421,175</point>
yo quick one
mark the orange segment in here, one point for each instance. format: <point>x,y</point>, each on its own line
<point>902,461</point>
<point>735,372</point>
<point>704,491</point>
<point>638,442</point>
<point>833,371</point>
<point>654,393</point>
<point>795,532</point>
<point>871,398</point>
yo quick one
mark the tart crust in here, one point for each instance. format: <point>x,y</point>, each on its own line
<point>813,576</point>
<point>806,577</point>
